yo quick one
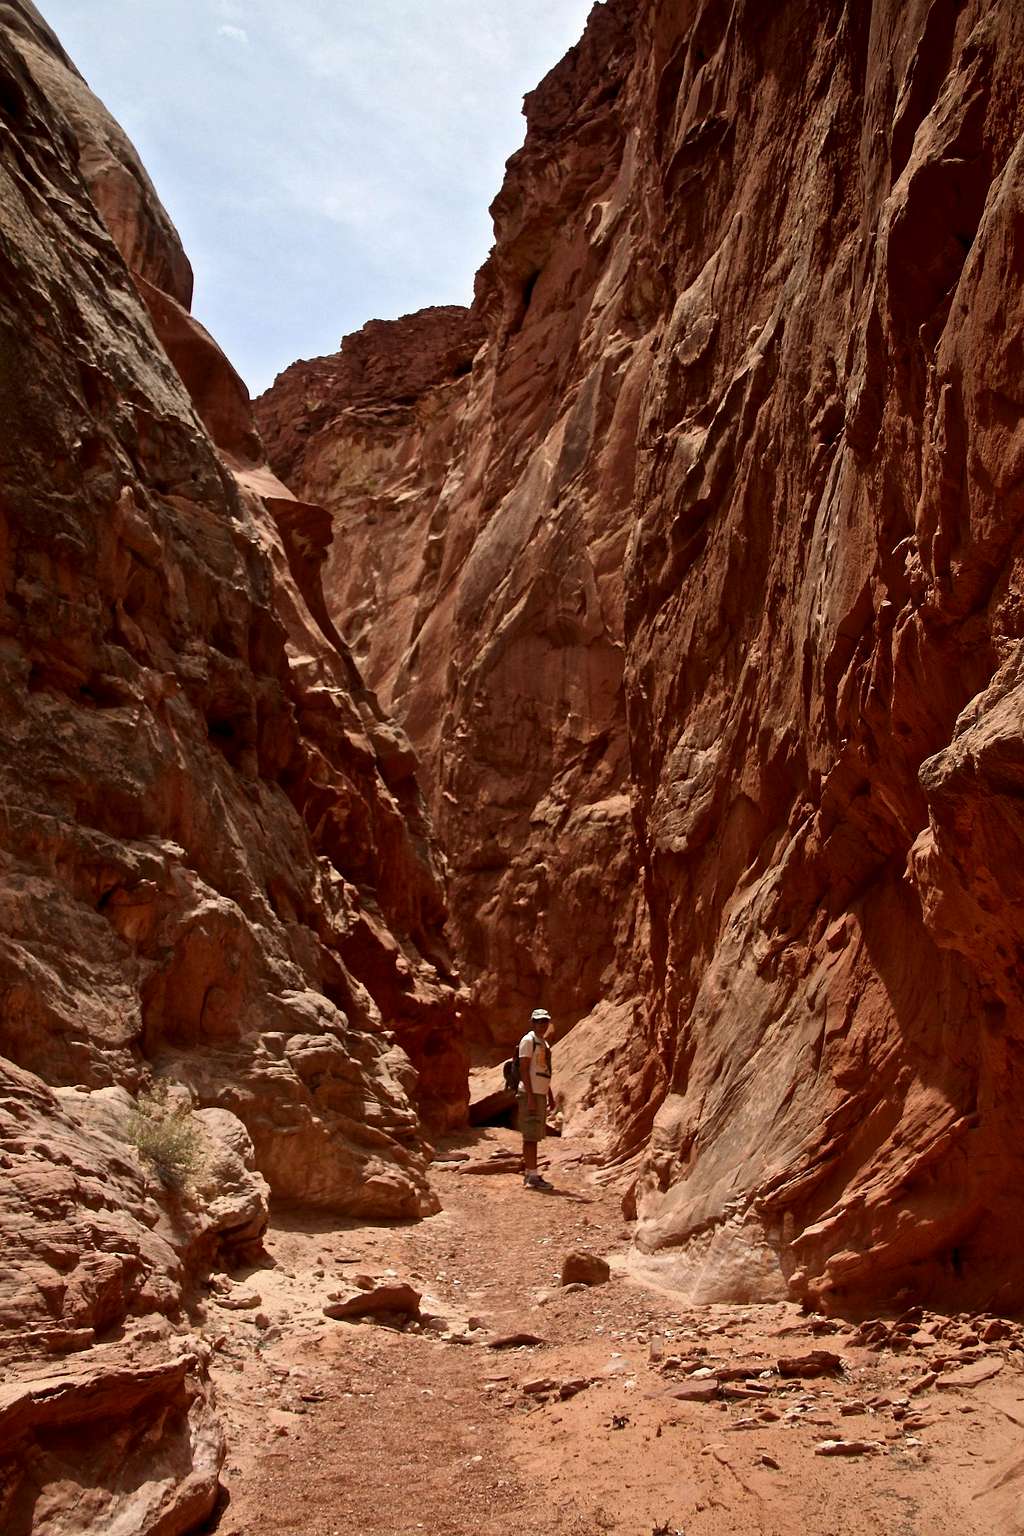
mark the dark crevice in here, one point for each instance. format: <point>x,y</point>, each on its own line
<point>528,288</point>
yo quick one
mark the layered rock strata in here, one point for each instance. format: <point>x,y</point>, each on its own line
<point>472,513</point>
<point>107,1416</point>
<point>722,585</point>
<point>216,873</point>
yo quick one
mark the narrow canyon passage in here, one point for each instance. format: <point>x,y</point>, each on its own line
<point>345,1427</point>
<point>644,643</point>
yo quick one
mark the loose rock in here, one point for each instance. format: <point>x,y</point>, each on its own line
<point>820,1362</point>
<point>514,1341</point>
<point>583,1268</point>
<point>385,1297</point>
<point>848,1448</point>
<point>970,1376</point>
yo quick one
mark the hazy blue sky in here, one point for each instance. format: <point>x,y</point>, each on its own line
<point>326,161</point>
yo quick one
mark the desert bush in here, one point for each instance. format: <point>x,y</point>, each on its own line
<point>168,1137</point>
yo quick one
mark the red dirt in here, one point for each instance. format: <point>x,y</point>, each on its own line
<point>338,1427</point>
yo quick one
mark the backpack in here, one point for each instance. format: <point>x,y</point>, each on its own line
<point>512,1070</point>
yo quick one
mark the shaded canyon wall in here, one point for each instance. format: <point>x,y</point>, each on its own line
<point>701,595</point>
<point>216,870</point>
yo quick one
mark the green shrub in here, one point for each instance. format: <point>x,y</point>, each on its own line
<point>168,1137</point>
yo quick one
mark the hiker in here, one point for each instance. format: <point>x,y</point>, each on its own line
<point>534,1094</point>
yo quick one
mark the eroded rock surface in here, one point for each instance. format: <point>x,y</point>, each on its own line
<point>216,872</point>
<point>213,865</point>
<point>712,627</point>
<point>107,1418</point>
<point>478,576</point>
<point>110,1442</point>
<point>90,1234</point>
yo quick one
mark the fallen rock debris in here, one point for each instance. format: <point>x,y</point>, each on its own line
<point>970,1376</point>
<point>820,1362</point>
<point>381,1298</point>
<point>238,1301</point>
<point>583,1268</point>
<point>694,1391</point>
<point>849,1448</point>
<point>496,1163</point>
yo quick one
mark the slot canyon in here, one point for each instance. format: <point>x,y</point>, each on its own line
<point>643,642</point>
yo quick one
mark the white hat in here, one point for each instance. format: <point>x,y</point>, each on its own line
<point>540,1014</point>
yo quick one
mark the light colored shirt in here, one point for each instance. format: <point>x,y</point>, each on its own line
<point>532,1049</point>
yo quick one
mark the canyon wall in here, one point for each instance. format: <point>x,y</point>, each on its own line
<point>482,519</point>
<point>701,596</point>
<point>216,872</point>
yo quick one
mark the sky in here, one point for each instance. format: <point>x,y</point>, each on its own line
<point>326,162</point>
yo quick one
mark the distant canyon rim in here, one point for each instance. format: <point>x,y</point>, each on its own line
<point>643,641</point>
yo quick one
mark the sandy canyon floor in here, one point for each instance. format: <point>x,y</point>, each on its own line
<point>360,1427</point>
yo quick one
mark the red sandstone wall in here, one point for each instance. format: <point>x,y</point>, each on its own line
<point>214,860</point>
<point>714,660</point>
<point>215,865</point>
<point>483,585</point>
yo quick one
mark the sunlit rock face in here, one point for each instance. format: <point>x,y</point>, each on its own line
<point>481,520</point>
<point>703,605</point>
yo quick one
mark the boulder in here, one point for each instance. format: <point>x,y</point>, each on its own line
<point>116,1444</point>
<point>383,1297</point>
<point>583,1268</point>
<point>490,1102</point>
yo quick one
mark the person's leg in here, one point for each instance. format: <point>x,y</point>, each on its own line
<point>529,1156</point>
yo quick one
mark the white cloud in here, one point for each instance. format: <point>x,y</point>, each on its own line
<point>237,34</point>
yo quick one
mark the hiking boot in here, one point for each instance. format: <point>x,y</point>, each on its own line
<point>536,1181</point>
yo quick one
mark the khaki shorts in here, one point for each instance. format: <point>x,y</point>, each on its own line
<point>532,1127</point>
